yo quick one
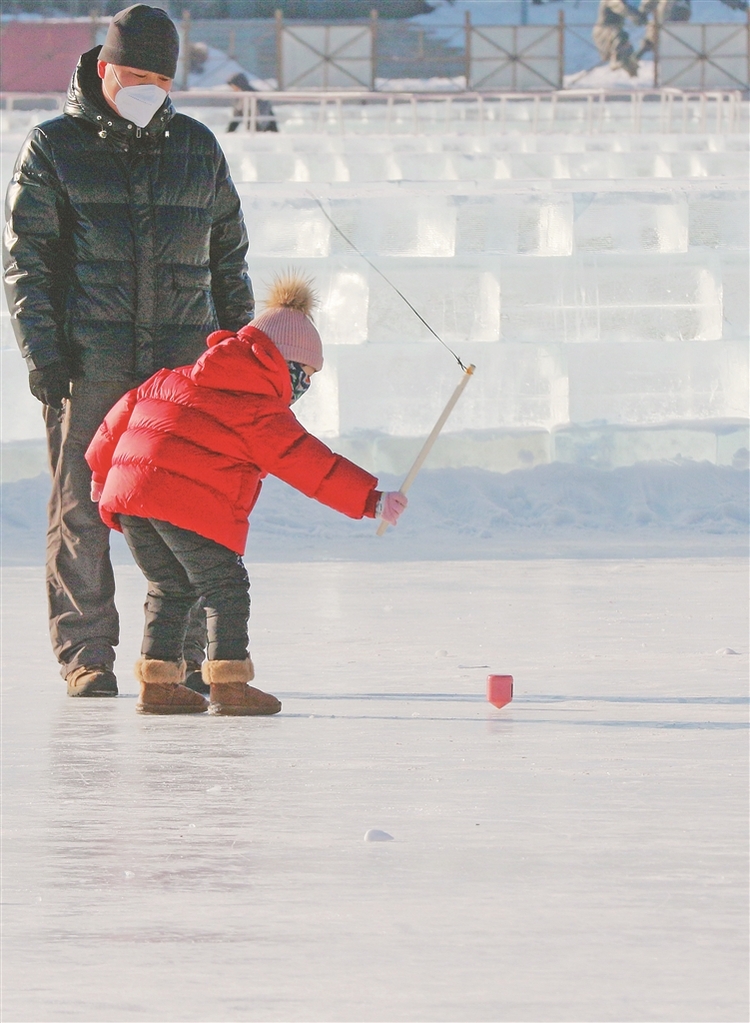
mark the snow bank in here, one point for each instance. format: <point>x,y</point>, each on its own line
<point>651,509</point>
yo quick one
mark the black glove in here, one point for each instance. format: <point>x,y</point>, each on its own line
<point>51,384</point>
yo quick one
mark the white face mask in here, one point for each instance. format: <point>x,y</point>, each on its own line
<point>139,103</point>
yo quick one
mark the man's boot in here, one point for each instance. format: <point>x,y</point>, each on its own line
<point>162,691</point>
<point>96,680</point>
<point>230,694</point>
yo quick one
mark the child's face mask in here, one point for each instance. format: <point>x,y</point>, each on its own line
<point>300,380</point>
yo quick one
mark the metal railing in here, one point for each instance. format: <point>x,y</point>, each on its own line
<point>588,111</point>
<point>584,111</point>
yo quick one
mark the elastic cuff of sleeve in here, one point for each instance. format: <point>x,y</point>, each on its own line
<point>371,504</point>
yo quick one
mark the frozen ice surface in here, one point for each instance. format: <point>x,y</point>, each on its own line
<point>580,854</point>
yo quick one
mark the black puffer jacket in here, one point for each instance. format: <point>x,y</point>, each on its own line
<point>124,247</point>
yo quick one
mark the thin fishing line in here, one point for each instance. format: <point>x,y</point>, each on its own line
<point>369,262</point>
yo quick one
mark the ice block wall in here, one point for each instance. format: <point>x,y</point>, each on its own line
<point>599,283</point>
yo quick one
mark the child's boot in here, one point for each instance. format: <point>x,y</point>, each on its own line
<point>230,694</point>
<point>162,691</point>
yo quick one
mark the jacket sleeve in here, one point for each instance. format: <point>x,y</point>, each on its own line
<point>34,253</point>
<point>281,446</point>
<point>101,450</point>
<point>231,288</point>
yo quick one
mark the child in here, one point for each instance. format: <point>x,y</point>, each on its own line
<point>177,466</point>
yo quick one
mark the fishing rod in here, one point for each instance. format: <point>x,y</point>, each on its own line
<point>427,446</point>
<point>468,371</point>
<point>378,271</point>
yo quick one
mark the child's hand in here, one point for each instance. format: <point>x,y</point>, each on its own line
<point>390,506</point>
<point>96,491</point>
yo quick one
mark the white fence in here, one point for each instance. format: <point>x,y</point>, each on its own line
<point>588,111</point>
<point>663,111</point>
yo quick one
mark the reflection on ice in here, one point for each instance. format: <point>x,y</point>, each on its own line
<point>588,823</point>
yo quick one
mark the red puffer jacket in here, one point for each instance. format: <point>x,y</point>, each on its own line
<point>192,445</point>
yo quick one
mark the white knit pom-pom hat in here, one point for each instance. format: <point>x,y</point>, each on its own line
<point>287,320</point>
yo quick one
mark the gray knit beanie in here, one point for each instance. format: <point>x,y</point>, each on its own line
<point>142,37</point>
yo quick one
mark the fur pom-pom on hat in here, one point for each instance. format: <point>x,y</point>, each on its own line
<point>292,291</point>
<point>287,320</point>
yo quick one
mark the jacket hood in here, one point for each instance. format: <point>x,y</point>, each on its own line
<point>86,101</point>
<point>246,362</point>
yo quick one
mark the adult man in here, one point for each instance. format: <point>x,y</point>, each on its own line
<point>124,247</point>
<point>610,36</point>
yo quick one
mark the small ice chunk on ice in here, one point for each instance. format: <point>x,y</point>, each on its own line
<point>375,835</point>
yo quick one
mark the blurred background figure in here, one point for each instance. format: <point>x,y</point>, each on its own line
<point>265,120</point>
<point>610,37</point>
<point>198,58</point>
<point>659,12</point>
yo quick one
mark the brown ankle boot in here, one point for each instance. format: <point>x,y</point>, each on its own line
<point>230,694</point>
<point>161,689</point>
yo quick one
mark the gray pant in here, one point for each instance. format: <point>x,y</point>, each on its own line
<point>84,624</point>
<point>181,566</point>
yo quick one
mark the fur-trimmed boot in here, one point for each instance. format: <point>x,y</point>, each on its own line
<point>162,691</point>
<point>230,694</point>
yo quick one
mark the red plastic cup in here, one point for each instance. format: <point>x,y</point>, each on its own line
<point>499,689</point>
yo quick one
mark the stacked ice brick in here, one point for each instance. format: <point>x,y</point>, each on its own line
<point>598,283</point>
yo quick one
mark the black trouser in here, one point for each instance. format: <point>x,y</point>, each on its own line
<point>83,619</point>
<point>181,567</point>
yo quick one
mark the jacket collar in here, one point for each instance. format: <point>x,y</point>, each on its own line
<point>85,101</point>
